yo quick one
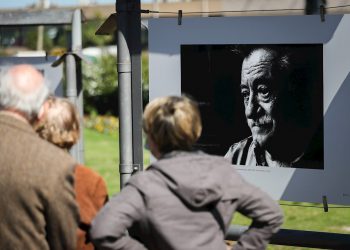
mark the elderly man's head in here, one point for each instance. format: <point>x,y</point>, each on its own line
<point>23,91</point>
<point>276,87</point>
<point>263,76</point>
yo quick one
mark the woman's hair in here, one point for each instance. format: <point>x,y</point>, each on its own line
<point>60,124</point>
<point>173,123</point>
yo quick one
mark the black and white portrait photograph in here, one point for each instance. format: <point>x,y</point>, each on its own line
<point>261,105</point>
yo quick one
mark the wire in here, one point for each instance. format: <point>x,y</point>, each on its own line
<point>233,11</point>
<point>339,6</point>
<point>314,206</point>
<point>215,12</point>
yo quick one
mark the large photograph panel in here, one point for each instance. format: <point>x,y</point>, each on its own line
<point>196,58</point>
<point>262,105</point>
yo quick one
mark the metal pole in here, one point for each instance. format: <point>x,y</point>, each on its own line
<point>71,92</point>
<point>76,46</point>
<point>313,6</point>
<point>124,94</point>
<point>134,40</point>
<point>297,238</point>
<point>41,4</point>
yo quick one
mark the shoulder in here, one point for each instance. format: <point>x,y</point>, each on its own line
<point>238,152</point>
<point>241,145</point>
<point>89,179</point>
<point>84,173</point>
<point>54,156</point>
<point>142,178</point>
<point>149,181</point>
<point>39,155</point>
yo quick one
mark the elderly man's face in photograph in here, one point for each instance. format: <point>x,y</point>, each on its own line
<point>259,91</point>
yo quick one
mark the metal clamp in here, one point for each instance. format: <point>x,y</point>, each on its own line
<point>325,203</point>
<point>179,17</point>
<point>129,168</point>
<point>76,54</point>
<point>323,10</point>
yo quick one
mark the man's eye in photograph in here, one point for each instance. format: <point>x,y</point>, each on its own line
<point>264,92</point>
<point>245,93</point>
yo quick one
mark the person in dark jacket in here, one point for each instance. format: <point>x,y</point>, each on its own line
<point>186,199</point>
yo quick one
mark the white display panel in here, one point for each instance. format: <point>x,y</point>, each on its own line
<point>166,38</point>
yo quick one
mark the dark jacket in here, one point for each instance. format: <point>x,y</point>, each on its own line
<point>185,201</point>
<point>37,201</point>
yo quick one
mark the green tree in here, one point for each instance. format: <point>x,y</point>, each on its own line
<point>100,77</point>
<point>100,81</point>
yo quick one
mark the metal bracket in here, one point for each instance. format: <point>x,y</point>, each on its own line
<point>136,168</point>
<point>322,10</point>
<point>77,55</point>
<point>129,168</point>
<point>325,203</point>
<point>179,17</point>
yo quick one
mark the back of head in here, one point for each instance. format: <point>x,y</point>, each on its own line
<point>173,123</point>
<point>60,124</point>
<point>22,90</point>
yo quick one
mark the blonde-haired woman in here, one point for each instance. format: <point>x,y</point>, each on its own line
<point>186,199</point>
<point>61,127</point>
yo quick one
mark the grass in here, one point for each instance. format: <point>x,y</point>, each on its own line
<point>102,155</point>
<point>308,219</point>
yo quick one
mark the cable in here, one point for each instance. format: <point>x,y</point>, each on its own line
<point>314,206</point>
<point>339,6</point>
<point>232,11</point>
<point>215,12</point>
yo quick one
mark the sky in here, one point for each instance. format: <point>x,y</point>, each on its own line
<point>5,4</point>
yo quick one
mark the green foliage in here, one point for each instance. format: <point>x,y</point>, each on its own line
<point>145,78</point>
<point>102,124</point>
<point>31,39</point>
<point>145,71</point>
<point>101,76</point>
<point>100,81</point>
<point>27,37</point>
<point>89,37</point>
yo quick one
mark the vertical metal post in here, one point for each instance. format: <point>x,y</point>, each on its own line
<point>41,4</point>
<point>136,83</point>
<point>124,93</point>
<point>71,92</point>
<point>76,46</point>
<point>313,6</point>
<point>205,8</point>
